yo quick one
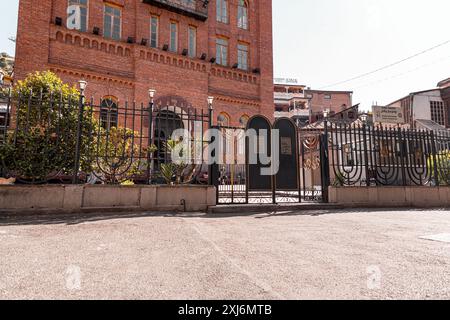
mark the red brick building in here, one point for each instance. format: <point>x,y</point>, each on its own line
<point>185,49</point>
<point>334,101</point>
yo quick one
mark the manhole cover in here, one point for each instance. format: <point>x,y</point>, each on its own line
<point>443,237</point>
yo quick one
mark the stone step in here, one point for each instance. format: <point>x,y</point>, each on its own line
<point>262,208</point>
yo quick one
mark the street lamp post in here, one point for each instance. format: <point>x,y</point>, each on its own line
<point>366,152</point>
<point>325,159</point>
<point>82,85</point>
<point>151,95</point>
<point>210,100</point>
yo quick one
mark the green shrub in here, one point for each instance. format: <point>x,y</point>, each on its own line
<point>43,139</point>
<point>443,166</point>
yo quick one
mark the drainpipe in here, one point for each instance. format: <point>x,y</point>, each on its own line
<point>183,203</point>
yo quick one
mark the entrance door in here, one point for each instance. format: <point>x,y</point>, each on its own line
<point>287,177</point>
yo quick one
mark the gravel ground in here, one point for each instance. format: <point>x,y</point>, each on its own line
<point>367,254</point>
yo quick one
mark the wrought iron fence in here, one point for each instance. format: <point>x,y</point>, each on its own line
<point>55,138</point>
<point>361,155</point>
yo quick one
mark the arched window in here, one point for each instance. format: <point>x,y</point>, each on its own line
<point>83,19</point>
<point>243,120</point>
<point>222,11</point>
<point>243,14</point>
<point>109,113</point>
<point>223,119</point>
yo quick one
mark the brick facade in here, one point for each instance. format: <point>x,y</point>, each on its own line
<point>127,71</point>
<point>334,101</point>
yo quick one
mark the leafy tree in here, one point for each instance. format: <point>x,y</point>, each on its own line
<point>42,142</point>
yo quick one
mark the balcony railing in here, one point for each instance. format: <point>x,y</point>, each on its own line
<point>197,9</point>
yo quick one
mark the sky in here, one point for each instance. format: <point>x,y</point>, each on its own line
<point>324,42</point>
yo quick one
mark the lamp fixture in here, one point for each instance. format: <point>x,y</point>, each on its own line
<point>82,84</point>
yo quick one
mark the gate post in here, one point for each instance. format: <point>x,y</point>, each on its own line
<point>435,158</point>
<point>77,155</point>
<point>366,153</point>
<point>325,163</point>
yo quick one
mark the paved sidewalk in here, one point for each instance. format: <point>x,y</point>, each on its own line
<point>294,255</point>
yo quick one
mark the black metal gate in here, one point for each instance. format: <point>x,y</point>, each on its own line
<point>313,165</point>
<point>244,179</point>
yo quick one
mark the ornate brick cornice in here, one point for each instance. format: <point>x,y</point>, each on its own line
<point>83,74</point>
<point>241,99</point>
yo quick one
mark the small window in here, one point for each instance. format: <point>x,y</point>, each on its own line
<point>192,41</point>
<point>109,113</point>
<point>222,11</point>
<point>83,5</point>
<point>243,56</point>
<point>242,15</point>
<point>223,119</point>
<point>112,22</point>
<point>327,96</point>
<point>154,30</point>
<point>222,51</point>
<point>173,37</point>
<point>437,112</point>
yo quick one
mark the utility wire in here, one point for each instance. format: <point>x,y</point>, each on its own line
<point>387,66</point>
<point>404,73</point>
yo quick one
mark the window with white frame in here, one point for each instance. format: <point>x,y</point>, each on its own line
<point>83,5</point>
<point>222,10</point>
<point>173,36</point>
<point>112,22</point>
<point>192,38</point>
<point>243,56</point>
<point>222,51</point>
<point>437,112</point>
<point>109,113</point>
<point>242,14</point>
<point>154,29</point>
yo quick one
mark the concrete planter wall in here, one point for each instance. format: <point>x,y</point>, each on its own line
<point>424,197</point>
<point>81,198</point>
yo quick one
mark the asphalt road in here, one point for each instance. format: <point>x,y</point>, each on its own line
<point>354,254</point>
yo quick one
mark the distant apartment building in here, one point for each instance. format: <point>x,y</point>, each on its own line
<point>290,101</point>
<point>306,106</point>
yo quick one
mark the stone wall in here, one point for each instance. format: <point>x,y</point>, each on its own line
<point>83,198</point>
<point>424,197</point>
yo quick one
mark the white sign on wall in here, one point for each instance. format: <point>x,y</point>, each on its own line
<point>285,81</point>
<point>388,114</point>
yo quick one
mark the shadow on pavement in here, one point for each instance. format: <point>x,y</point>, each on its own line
<point>74,219</point>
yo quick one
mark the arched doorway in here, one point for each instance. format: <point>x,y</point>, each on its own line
<point>167,120</point>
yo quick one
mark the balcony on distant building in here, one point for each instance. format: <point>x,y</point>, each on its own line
<point>197,9</point>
